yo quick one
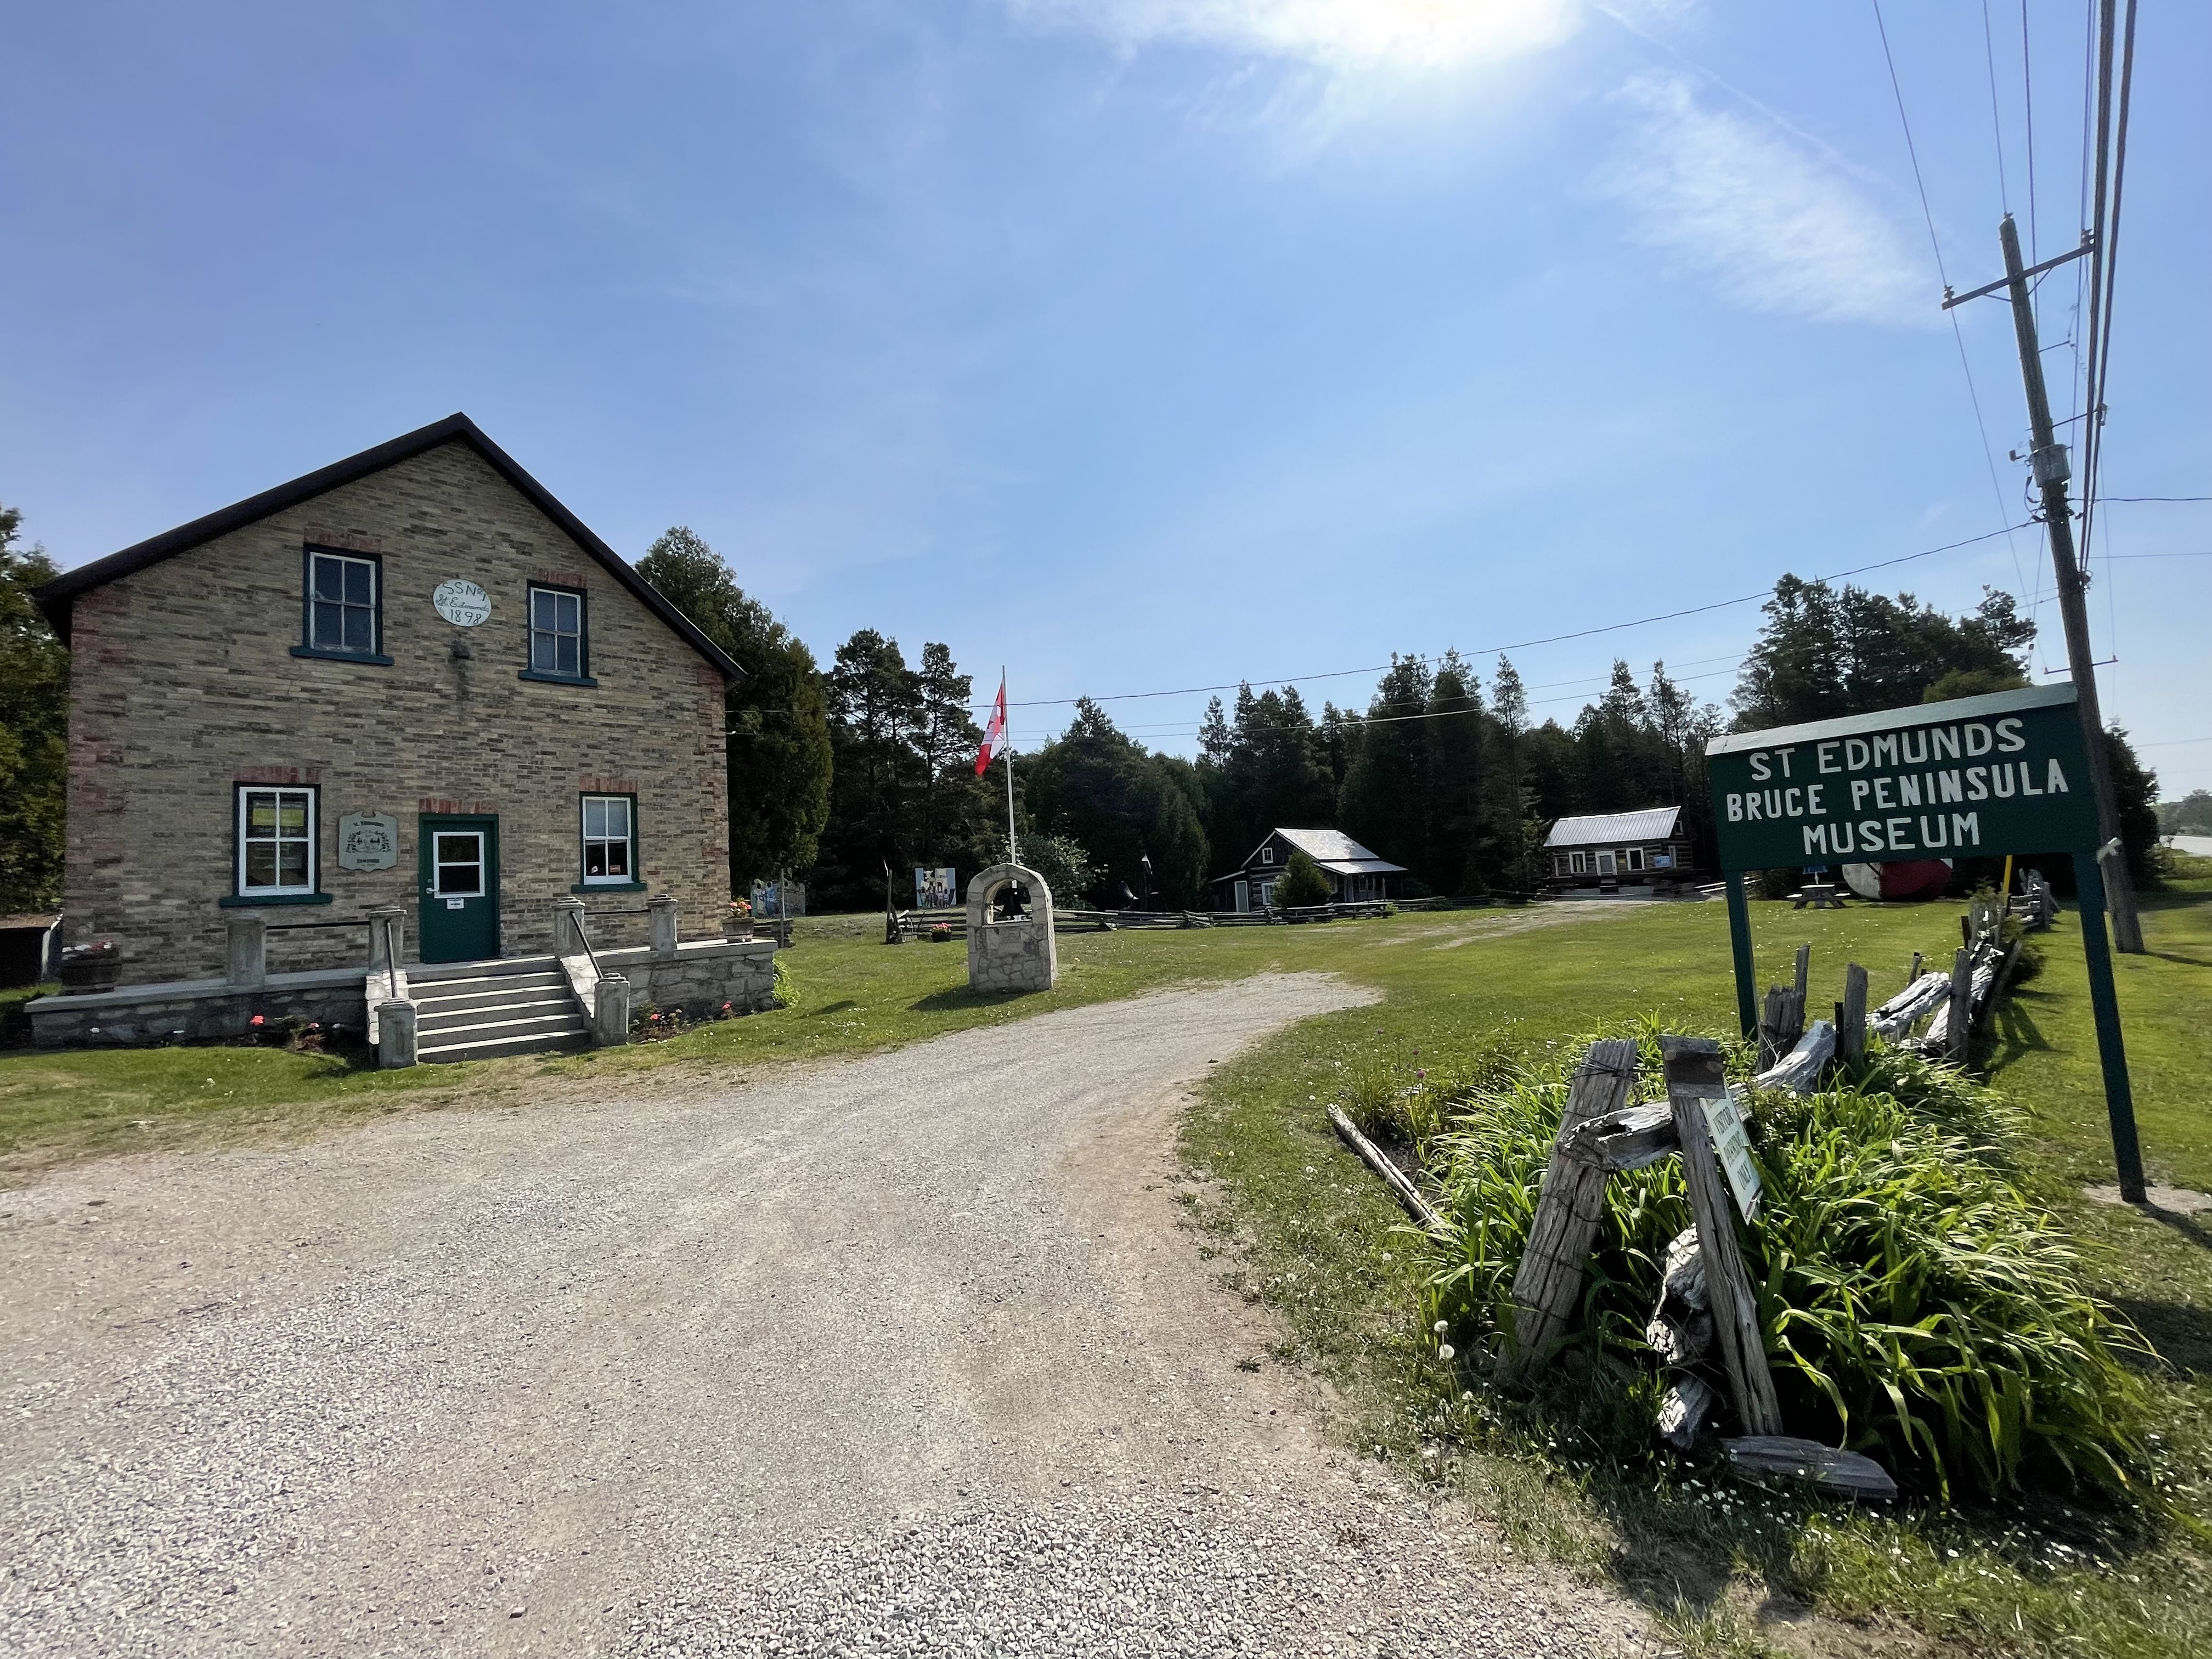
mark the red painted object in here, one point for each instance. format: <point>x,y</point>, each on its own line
<point>1908,878</point>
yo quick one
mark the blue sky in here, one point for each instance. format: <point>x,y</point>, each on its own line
<point>1137,344</point>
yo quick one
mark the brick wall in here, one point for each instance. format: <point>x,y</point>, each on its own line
<point>182,685</point>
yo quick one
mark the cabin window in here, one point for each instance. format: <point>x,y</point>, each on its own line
<point>1578,863</point>
<point>1635,857</point>
<point>276,843</point>
<point>1267,855</point>
<point>342,607</point>
<point>560,644</point>
<point>609,840</point>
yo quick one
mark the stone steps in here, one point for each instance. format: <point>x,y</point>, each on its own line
<point>480,1010</point>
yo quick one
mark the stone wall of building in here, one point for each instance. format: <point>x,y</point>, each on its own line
<point>183,686</point>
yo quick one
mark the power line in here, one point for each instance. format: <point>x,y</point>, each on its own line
<point>1524,645</point>
<point>2107,261</point>
<point>1936,246</point>
<point>2027,92</point>
<point>2154,498</point>
<point>1996,124</point>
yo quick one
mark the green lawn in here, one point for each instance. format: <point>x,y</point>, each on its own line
<point>1325,1246</point>
<point>1313,1232</point>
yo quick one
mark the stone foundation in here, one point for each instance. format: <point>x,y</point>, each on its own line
<point>700,977</point>
<point>198,1010</point>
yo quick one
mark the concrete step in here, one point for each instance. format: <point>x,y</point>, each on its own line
<point>489,996</point>
<point>499,1025</point>
<point>429,1021</point>
<point>474,983</point>
<point>500,1037</point>
<point>497,968</point>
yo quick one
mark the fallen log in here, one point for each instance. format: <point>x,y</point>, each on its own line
<point>1395,1178</point>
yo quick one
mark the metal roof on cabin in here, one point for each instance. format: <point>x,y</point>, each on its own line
<point>1329,847</point>
<point>1606,828</point>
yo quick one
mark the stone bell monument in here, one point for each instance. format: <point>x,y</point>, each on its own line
<point>1010,945</point>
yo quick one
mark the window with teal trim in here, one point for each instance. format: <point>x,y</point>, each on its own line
<point>609,840</point>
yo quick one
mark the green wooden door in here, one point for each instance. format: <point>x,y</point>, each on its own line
<point>459,860</point>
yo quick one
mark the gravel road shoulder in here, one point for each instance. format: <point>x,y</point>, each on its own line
<point>905,1354</point>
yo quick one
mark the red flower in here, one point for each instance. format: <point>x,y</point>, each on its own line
<point>255,1020</point>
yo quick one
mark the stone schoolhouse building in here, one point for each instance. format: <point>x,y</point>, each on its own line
<point>410,678</point>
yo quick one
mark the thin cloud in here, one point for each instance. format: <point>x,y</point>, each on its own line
<point>1776,226</point>
<point>1330,34</point>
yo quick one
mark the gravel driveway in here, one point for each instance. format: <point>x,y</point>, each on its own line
<point>904,1355</point>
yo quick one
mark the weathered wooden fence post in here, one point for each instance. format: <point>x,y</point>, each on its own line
<point>1568,1210</point>
<point>1804,977</point>
<point>1694,1076</point>
<point>1957,1029</point>
<point>1851,1014</point>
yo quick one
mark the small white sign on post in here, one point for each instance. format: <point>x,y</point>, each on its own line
<point>1734,1147</point>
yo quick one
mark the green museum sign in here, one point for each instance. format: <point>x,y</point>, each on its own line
<point>2007,773</point>
<point>2000,773</point>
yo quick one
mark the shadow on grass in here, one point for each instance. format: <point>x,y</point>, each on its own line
<point>937,1002</point>
<point>2017,1035</point>
<point>837,1007</point>
<point>2187,1226</point>
<point>2181,1334</point>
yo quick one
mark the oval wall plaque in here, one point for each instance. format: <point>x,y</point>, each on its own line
<point>462,603</point>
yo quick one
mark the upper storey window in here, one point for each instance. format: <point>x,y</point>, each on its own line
<point>342,609</point>
<point>560,637</point>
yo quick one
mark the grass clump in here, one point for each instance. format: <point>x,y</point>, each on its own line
<point>1917,1303</point>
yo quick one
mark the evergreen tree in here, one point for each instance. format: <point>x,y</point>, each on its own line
<point>778,724</point>
<point>1101,789</point>
<point>959,819</point>
<point>1262,769</point>
<point>1389,786</point>
<point>875,726</point>
<point>34,731</point>
<point>1463,856</point>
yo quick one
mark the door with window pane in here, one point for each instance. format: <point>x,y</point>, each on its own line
<point>459,858</point>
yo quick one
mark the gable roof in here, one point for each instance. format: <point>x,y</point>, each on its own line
<point>1332,849</point>
<point>1606,828</point>
<point>55,597</point>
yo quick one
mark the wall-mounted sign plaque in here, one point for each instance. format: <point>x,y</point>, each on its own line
<point>369,841</point>
<point>462,603</point>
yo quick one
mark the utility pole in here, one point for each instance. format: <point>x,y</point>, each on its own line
<point>2051,469</point>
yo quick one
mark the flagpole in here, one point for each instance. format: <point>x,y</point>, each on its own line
<point>1013,846</point>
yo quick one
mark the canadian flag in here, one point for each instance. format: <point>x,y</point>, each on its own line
<point>994,733</point>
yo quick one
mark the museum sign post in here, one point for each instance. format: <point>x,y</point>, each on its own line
<point>1989,775</point>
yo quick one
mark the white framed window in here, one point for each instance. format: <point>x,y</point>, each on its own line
<point>1578,863</point>
<point>1635,856</point>
<point>276,841</point>
<point>1267,855</point>
<point>342,605</point>
<point>609,840</point>
<point>557,633</point>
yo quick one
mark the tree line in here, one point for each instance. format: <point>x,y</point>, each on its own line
<point>851,776</point>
